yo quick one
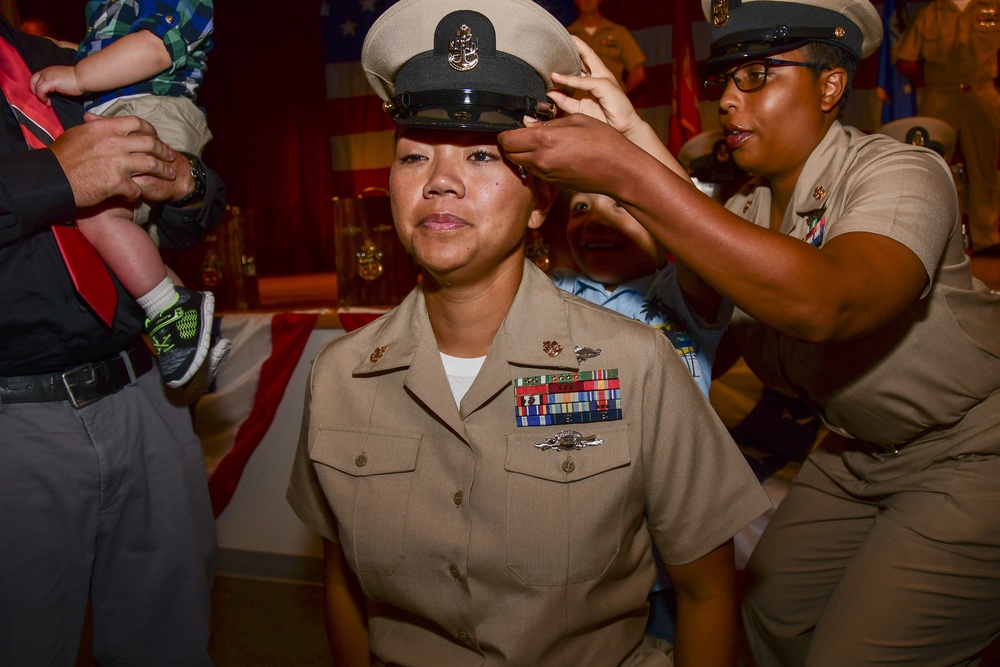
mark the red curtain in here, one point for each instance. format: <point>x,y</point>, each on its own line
<point>264,95</point>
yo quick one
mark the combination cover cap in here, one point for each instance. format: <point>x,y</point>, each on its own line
<point>467,64</point>
<point>743,30</point>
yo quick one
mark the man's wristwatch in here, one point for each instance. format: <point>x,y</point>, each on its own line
<point>198,174</point>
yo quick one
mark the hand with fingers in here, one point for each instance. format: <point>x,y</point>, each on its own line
<point>101,157</point>
<point>555,149</point>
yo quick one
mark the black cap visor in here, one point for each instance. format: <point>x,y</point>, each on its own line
<point>741,52</point>
<point>466,109</point>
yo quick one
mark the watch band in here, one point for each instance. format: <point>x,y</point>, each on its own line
<point>198,174</point>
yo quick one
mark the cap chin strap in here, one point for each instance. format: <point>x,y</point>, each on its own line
<point>778,34</point>
<point>474,109</point>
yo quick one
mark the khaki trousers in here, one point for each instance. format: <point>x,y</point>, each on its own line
<point>882,558</point>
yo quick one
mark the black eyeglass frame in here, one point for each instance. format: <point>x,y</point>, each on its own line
<point>714,90</point>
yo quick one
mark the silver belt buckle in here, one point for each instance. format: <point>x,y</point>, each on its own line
<point>69,380</point>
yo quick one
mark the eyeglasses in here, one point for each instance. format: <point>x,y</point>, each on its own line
<point>749,77</point>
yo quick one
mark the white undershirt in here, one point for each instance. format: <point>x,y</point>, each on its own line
<point>961,4</point>
<point>461,373</point>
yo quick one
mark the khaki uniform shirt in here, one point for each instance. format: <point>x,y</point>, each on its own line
<point>614,44</point>
<point>472,545</point>
<point>957,47</point>
<point>923,370</point>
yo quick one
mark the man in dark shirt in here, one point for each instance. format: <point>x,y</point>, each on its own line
<point>102,483</point>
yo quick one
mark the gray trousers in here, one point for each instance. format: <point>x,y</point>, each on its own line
<point>876,558</point>
<point>110,502</point>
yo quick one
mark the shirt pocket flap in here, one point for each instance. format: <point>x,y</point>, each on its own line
<point>570,465</point>
<point>362,453</point>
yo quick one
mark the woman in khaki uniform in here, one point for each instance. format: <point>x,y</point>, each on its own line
<point>490,462</point>
<point>844,258</point>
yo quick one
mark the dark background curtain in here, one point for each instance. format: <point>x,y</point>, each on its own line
<point>264,96</point>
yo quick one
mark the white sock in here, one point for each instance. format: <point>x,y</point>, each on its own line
<point>158,299</point>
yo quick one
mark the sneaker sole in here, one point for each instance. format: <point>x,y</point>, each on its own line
<point>204,340</point>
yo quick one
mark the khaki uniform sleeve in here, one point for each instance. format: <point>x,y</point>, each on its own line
<point>909,197</point>
<point>700,489</point>
<point>305,495</point>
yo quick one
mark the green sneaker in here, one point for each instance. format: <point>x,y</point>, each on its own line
<point>181,335</point>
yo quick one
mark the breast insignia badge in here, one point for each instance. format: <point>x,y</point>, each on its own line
<point>584,353</point>
<point>568,440</point>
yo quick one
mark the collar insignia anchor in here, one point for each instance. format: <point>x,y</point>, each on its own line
<point>463,52</point>
<point>566,440</point>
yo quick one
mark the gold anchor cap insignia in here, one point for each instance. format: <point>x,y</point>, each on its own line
<point>720,13</point>
<point>552,348</point>
<point>377,354</point>
<point>819,192</point>
<point>463,51</point>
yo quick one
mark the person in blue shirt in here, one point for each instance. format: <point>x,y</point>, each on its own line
<point>625,269</point>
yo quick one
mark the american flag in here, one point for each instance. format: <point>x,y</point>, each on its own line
<point>894,89</point>
<point>361,133</point>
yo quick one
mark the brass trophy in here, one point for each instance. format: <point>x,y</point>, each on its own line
<point>373,269</point>
<point>222,262</point>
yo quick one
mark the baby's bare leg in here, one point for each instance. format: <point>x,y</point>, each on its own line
<point>127,249</point>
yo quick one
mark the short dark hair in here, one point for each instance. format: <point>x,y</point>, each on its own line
<point>828,57</point>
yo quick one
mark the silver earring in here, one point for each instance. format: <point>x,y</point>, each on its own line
<point>522,172</point>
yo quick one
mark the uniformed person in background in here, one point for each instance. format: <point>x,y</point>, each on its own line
<point>951,48</point>
<point>489,463</point>
<point>844,258</point>
<point>613,43</point>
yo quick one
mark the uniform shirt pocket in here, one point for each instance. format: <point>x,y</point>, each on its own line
<point>565,508</point>
<point>367,475</point>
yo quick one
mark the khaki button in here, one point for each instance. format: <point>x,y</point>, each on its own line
<point>568,465</point>
<point>463,636</point>
<point>458,498</point>
<point>360,460</point>
<point>454,571</point>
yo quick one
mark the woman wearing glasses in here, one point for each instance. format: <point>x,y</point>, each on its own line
<point>854,293</point>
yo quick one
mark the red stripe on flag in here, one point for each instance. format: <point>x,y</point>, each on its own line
<point>289,334</point>
<point>685,119</point>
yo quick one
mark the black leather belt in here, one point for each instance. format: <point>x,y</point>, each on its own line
<point>83,384</point>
